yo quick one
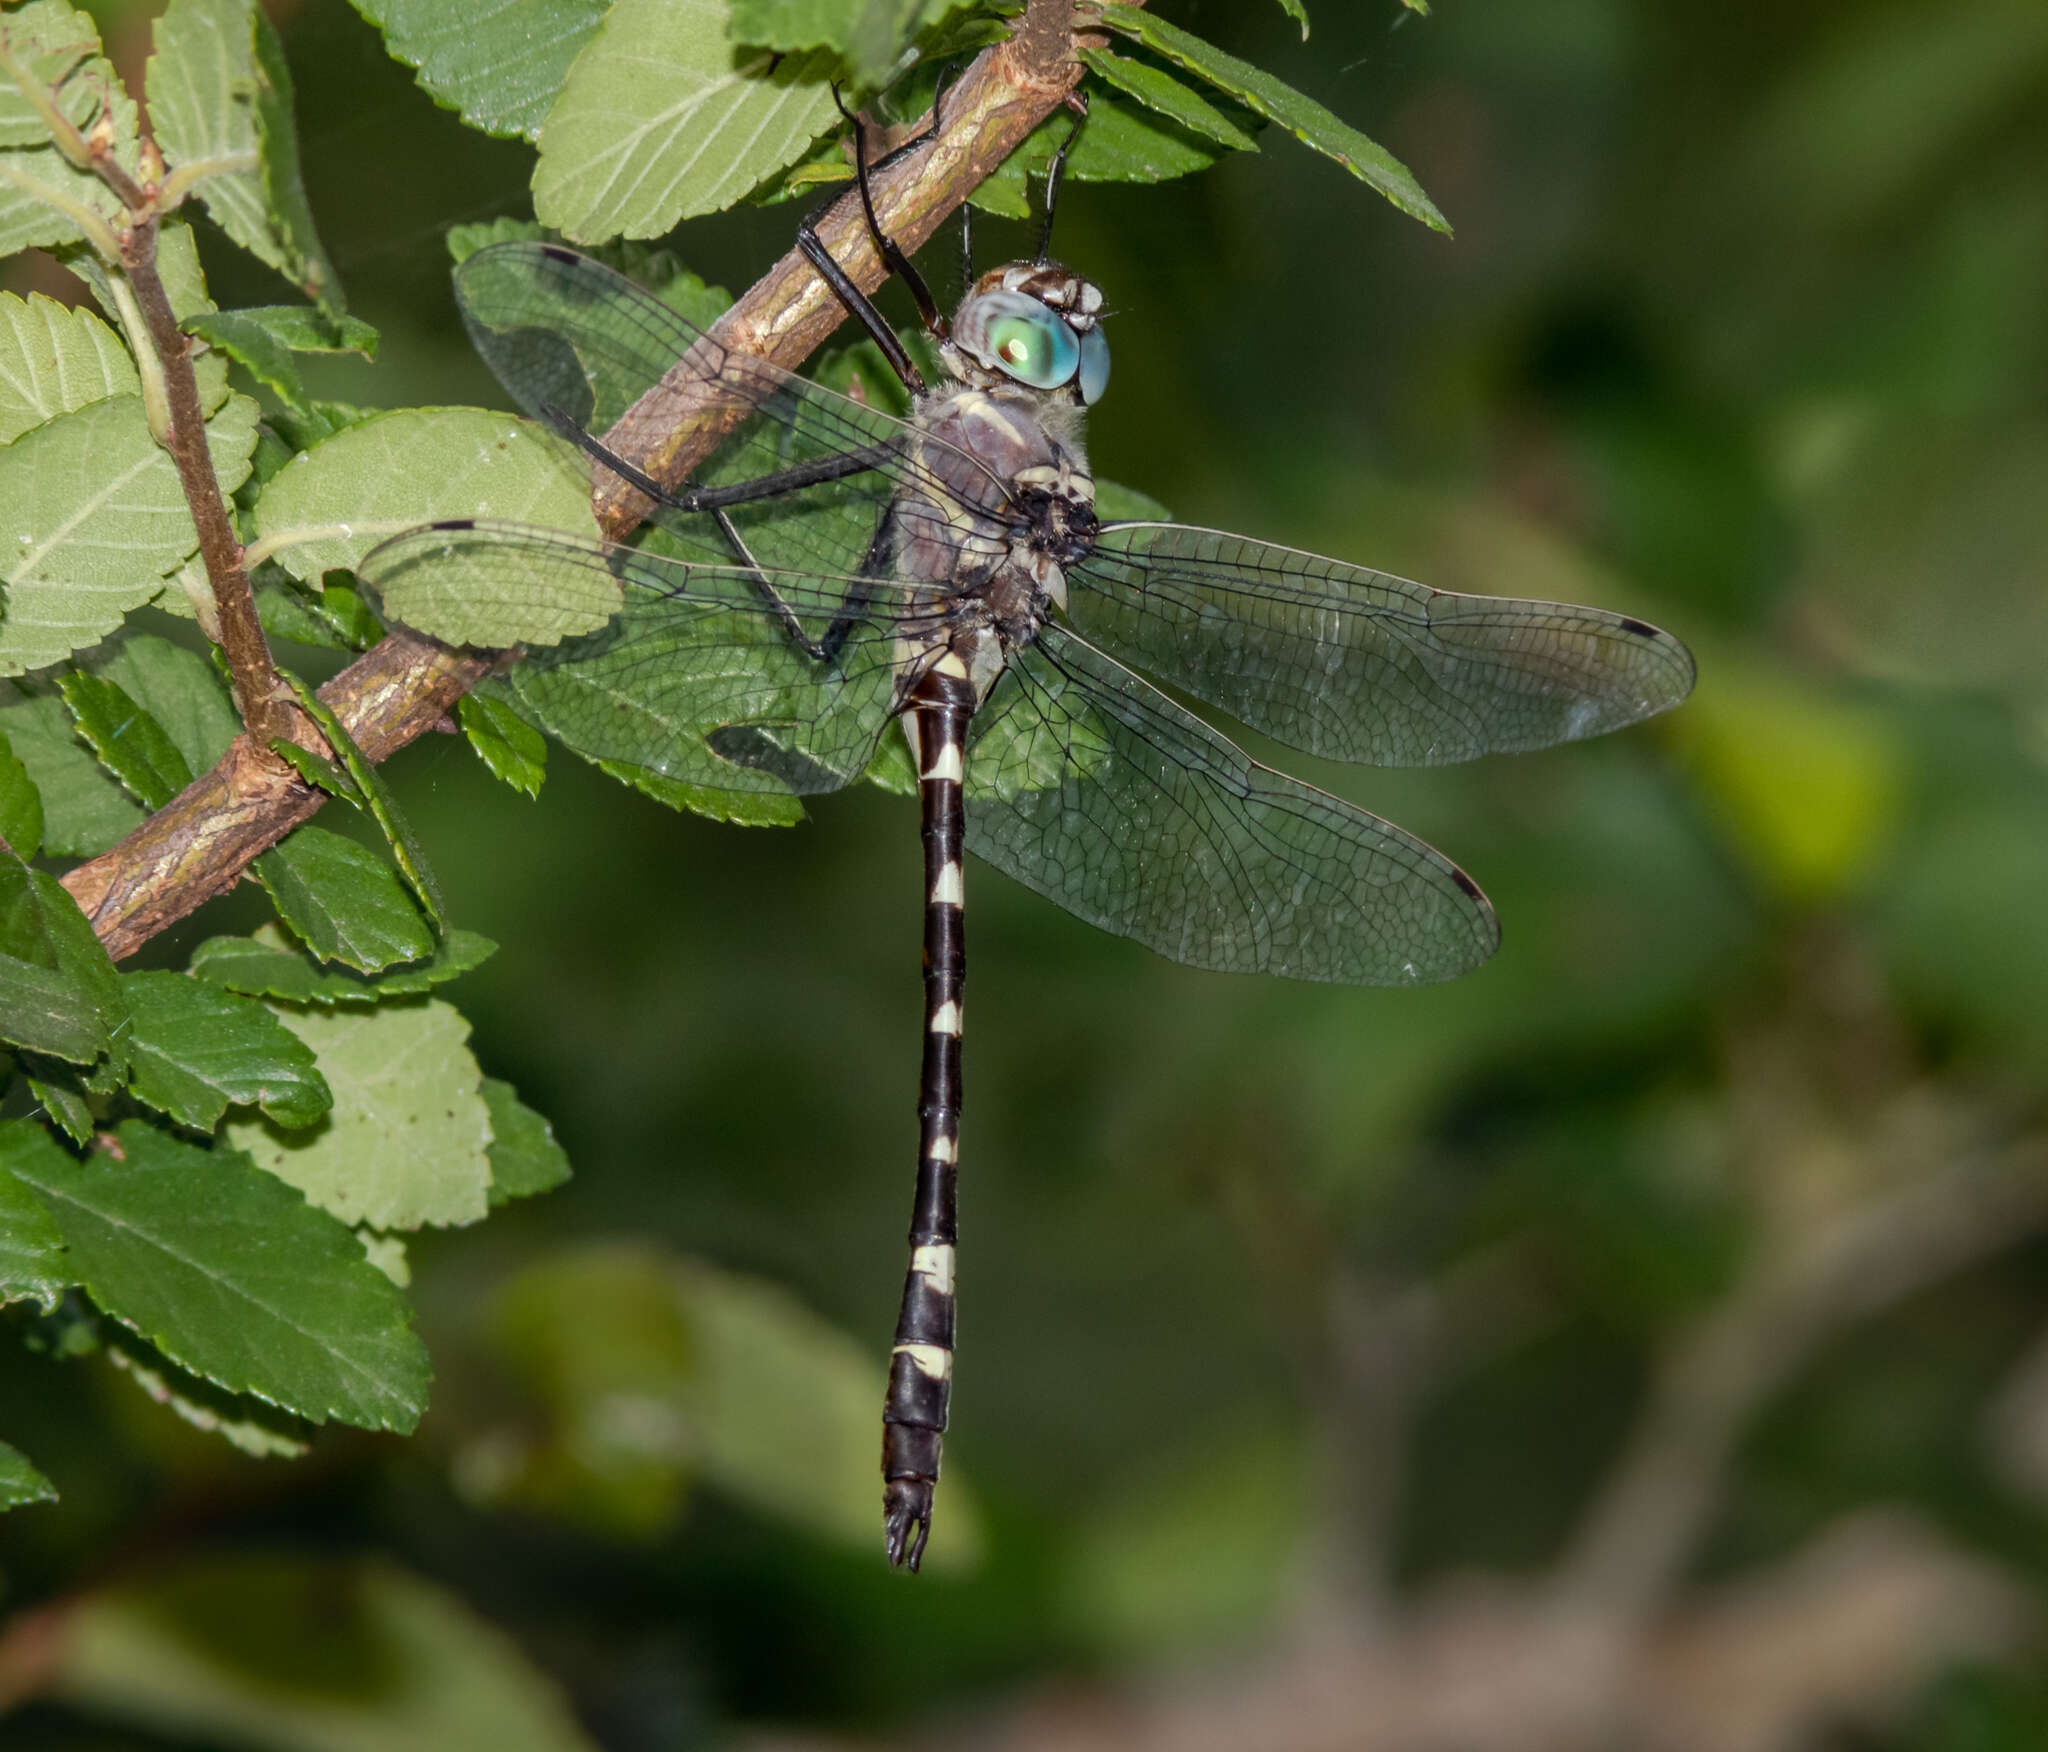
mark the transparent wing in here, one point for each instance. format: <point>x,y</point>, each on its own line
<point>709,673</point>
<point>573,341</point>
<point>1093,788</point>
<point>1356,665</point>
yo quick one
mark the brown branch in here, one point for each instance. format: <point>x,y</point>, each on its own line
<point>199,844</point>
<point>265,712</point>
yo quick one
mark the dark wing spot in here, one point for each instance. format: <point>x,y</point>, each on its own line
<point>454,523</point>
<point>1642,629</point>
<point>1465,882</point>
<point>556,253</point>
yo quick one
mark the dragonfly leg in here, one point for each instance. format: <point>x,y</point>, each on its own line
<point>921,1360</point>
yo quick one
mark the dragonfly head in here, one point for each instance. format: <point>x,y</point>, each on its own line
<point>1032,323</point>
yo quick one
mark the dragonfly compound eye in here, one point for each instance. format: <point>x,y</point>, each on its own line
<point>1021,338</point>
<point>1094,378</point>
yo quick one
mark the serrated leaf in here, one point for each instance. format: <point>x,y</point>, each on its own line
<point>57,47</point>
<point>259,1430</point>
<point>735,808</point>
<point>333,619</point>
<point>179,688</point>
<point>1264,95</point>
<point>510,747</point>
<point>869,35</point>
<point>130,743</point>
<point>416,465</point>
<point>177,265</point>
<point>53,360</point>
<point>84,808</point>
<point>1123,142</point>
<point>305,1654</point>
<point>220,100</point>
<point>407,1142</point>
<point>661,118</point>
<point>197,1050</point>
<point>270,965</point>
<point>1160,91</point>
<point>343,902</point>
<point>103,521</point>
<point>525,1159</point>
<point>499,63</point>
<point>21,805</point>
<point>232,1275</point>
<point>317,770</point>
<point>20,1483</point>
<point>62,1101</point>
<point>32,1261</point>
<point>262,341</point>
<point>58,991</point>
<point>368,786</point>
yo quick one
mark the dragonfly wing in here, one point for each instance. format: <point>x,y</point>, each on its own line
<point>1358,665</point>
<point>700,675</point>
<point>1090,786</point>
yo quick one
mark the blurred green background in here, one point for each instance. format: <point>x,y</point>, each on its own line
<point>1641,1342</point>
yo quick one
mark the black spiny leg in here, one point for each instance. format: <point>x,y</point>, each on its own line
<point>921,1361</point>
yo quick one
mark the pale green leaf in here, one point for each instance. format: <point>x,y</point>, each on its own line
<point>351,1656</point>
<point>1160,91</point>
<point>233,1276</point>
<point>408,1140</point>
<point>735,808</point>
<point>21,805</point>
<point>500,63</point>
<point>178,688</point>
<point>1124,141</point>
<point>870,35</point>
<point>1264,95</point>
<point>20,1483</point>
<point>104,520</point>
<point>197,1050</point>
<point>220,100</point>
<point>58,47</point>
<point>525,1159</point>
<point>343,902</point>
<point>54,359</point>
<point>271,965</point>
<point>259,1430</point>
<point>663,118</point>
<point>263,340</point>
<point>417,465</point>
<point>32,1262</point>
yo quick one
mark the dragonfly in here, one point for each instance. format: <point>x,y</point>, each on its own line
<point>837,570</point>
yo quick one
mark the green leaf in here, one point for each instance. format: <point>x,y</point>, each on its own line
<point>63,1101</point>
<point>343,902</point>
<point>1160,91</point>
<point>661,118</point>
<point>376,796</point>
<point>870,35</point>
<point>57,360</point>
<point>460,587</point>
<point>58,991</point>
<point>260,1430</point>
<point>415,465</point>
<point>1299,13</point>
<point>58,47</point>
<point>198,1050</point>
<point>21,805</point>
<point>103,520</point>
<point>1123,142</point>
<point>735,808</point>
<point>509,746</point>
<point>233,1276</point>
<point>304,1654</point>
<point>268,965</point>
<point>408,1140</point>
<point>178,688</point>
<point>130,743</point>
<point>220,100</point>
<point>262,341</point>
<point>20,1483</point>
<point>500,63</point>
<point>1264,95</point>
<point>317,770</point>
<point>1118,504</point>
<point>333,619</point>
<point>525,1159</point>
<point>84,808</point>
<point>32,1261</point>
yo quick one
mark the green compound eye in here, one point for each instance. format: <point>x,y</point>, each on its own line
<point>1037,349</point>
